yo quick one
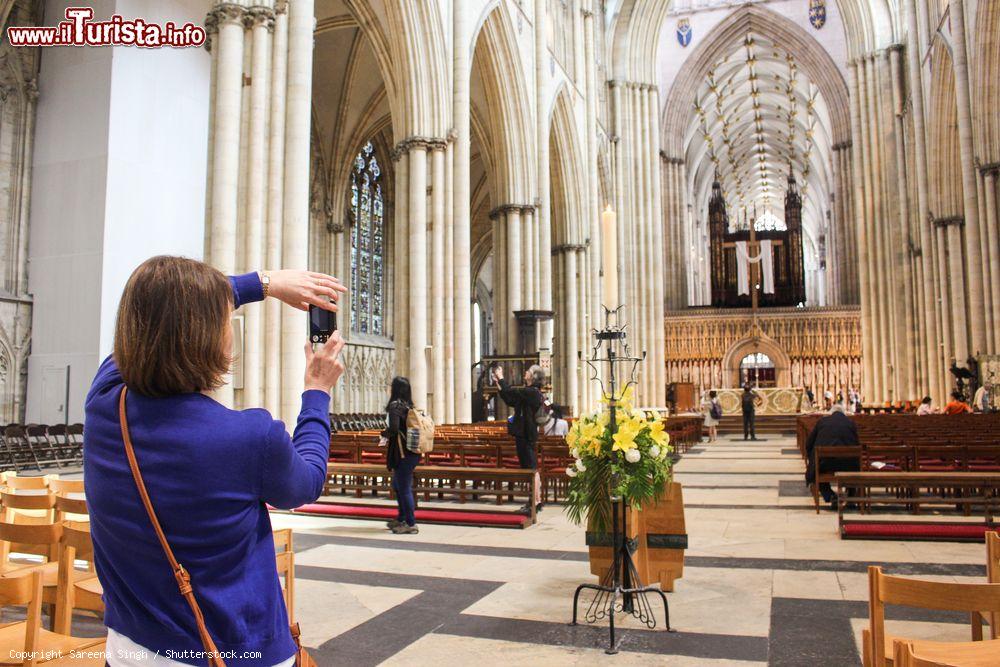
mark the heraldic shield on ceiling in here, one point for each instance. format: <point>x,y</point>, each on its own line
<point>684,32</point>
<point>817,13</point>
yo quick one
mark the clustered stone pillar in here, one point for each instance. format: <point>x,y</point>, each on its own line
<point>257,208</point>
<point>973,249</point>
<point>462,257</point>
<point>928,280</point>
<point>421,239</point>
<point>637,180</point>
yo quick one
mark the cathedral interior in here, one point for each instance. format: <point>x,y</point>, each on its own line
<point>806,196</point>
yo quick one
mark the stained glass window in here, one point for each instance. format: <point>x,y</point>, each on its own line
<point>367,245</point>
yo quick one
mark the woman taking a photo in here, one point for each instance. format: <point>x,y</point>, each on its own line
<point>398,459</point>
<point>209,471</point>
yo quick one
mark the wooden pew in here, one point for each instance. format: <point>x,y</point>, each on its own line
<point>822,452</point>
<point>441,480</point>
<point>914,491</point>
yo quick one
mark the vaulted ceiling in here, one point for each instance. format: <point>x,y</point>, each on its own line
<point>755,116</point>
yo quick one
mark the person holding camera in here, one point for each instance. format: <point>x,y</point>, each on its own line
<point>526,401</point>
<point>399,459</point>
<point>177,484</point>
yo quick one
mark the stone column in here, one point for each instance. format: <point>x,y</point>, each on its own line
<point>656,222</point>
<point>23,198</point>
<point>275,205</point>
<point>260,20</point>
<point>973,250</point>
<point>227,19</point>
<point>902,240</point>
<point>618,170</point>
<point>572,332</point>
<point>593,184</point>
<point>449,281</point>
<point>401,260</point>
<point>295,232</point>
<point>226,125</point>
<point>417,275</point>
<point>529,261</point>
<point>864,265</point>
<point>438,351</point>
<point>543,219</point>
<point>499,289</point>
<point>930,305</point>
<point>461,36</point>
<point>515,277</point>
<point>993,235</point>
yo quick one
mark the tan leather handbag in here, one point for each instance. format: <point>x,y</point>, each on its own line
<point>302,659</point>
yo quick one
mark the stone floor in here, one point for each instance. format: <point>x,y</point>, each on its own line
<point>766,580</point>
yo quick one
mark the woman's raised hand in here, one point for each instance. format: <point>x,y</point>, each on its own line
<point>299,289</point>
<point>324,366</point>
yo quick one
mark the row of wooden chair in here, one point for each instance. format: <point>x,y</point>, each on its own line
<point>37,446</point>
<point>980,600</point>
<point>356,422</point>
<point>46,516</point>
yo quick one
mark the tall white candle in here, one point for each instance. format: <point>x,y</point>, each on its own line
<point>609,258</point>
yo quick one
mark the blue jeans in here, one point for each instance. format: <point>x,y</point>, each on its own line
<point>402,484</point>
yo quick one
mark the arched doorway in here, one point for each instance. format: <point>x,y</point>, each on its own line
<point>757,369</point>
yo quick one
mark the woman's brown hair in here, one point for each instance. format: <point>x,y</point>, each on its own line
<point>169,337</point>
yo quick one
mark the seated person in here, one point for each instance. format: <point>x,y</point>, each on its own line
<point>957,406</point>
<point>834,429</point>
<point>925,407</point>
<point>556,425</point>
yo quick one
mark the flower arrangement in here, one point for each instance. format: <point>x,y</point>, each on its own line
<point>635,460</point>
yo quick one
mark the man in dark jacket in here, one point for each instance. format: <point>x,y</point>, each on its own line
<point>749,401</point>
<point>834,429</point>
<point>526,402</point>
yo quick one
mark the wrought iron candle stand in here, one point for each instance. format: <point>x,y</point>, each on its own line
<point>621,590</point>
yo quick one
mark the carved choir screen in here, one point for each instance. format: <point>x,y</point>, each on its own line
<point>818,348</point>
<point>785,237</point>
<point>367,245</point>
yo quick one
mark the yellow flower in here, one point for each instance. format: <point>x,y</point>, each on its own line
<point>657,434</point>
<point>624,439</point>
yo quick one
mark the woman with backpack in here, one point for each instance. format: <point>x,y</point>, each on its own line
<point>713,415</point>
<point>527,402</point>
<point>400,460</point>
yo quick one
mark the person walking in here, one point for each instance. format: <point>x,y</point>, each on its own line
<point>153,429</point>
<point>400,460</point>
<point>526,401</point>
<point>713,414</point>
<point>749,401</point>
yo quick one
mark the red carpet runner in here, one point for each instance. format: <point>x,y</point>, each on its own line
<point>386,512</point>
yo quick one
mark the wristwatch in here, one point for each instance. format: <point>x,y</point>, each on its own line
<point>265,281</point>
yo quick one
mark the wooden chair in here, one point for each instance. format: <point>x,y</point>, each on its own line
<point>75,589</point>
<point>28,635</point>
<point>70,508</point>
<point>27,508</point>
<point>947,654</point>
<point>12,480</point>
<point>284,553</point>
<point>974,599</point>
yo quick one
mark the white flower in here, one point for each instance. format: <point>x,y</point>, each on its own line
<point>654,451</point>
<point>633,455</point>
<point>570,471</point>
<point>580,466</point>
<point>575,454</point>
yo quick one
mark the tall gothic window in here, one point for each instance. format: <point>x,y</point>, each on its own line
<point>367,245</point>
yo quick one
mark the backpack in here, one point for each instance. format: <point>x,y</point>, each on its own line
<point>419,432</point>
<point>715,411</point>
